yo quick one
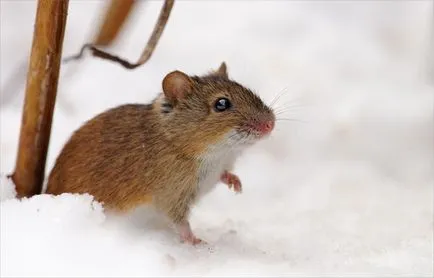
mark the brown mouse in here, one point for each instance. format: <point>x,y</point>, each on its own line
<point>167,153</point>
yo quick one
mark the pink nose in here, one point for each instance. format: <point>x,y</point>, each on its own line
<point>265,127</point>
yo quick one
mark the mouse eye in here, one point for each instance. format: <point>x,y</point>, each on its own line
<point>222,104</point>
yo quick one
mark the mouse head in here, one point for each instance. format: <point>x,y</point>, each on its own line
<point>213,109</point>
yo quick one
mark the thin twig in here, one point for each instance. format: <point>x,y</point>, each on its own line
<point>147,52</point>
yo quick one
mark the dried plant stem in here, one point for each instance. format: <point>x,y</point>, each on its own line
<point>115,17</point>
<point>147,52</point>
<point>41,89</point>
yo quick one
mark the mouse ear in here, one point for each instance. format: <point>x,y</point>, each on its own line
<point>177,85</point>
<point>222,70</point>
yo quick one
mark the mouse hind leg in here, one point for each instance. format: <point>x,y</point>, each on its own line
<point>186,234</point>
<point>177,208</point>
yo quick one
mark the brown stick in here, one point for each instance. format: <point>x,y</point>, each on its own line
<point>41,88</point>
<point>115,18</point>
<point>147,52</point>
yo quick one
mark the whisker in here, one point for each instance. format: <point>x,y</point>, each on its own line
<point>291,120</point>
<point>277,96</point>
<point>286,112</point>
<point>289,109</point>
<point>294,107</point>
<point>285,109</point>
<point>293,102</point>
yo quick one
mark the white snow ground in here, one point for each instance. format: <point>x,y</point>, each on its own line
<point>348,192</point>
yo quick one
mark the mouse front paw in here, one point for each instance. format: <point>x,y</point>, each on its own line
<point>232,181</point>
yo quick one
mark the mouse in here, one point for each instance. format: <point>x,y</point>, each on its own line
<point>168,153</point>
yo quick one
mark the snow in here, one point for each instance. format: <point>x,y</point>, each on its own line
<point>348,191</point>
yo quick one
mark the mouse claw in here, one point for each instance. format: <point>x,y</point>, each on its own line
<point>238,189</point>
<point>232,181</point>
<point>192,240</point>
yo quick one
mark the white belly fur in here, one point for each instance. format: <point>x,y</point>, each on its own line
<point>210,171</point>
<point>215,161</point>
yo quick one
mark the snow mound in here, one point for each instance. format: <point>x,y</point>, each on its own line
<point>55,231</point>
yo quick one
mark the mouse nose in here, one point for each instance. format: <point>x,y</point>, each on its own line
<point>266,127</point>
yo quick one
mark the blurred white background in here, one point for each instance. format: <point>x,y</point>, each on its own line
<point>347,191</point>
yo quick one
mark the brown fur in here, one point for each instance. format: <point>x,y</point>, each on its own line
<point>134,154</point>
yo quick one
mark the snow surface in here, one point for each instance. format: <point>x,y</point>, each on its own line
<point>348,191</point>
